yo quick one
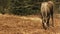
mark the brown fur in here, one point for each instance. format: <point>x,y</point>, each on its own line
<point>46,13</point>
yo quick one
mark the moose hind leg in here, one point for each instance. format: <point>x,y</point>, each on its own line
<point>52,19</point>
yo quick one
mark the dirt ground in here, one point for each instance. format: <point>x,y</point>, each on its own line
<point>10,24</point>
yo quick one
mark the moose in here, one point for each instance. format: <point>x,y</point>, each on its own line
<point>47,13</point>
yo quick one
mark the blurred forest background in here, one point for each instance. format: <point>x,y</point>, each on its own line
<point>24,7</point>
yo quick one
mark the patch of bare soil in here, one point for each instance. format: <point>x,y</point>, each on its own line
<point>10,24</point>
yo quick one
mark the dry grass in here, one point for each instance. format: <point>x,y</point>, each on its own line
<point>10,24</point>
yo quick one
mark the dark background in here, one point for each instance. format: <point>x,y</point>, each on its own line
<point>25,7</point>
